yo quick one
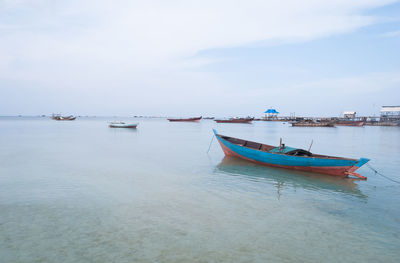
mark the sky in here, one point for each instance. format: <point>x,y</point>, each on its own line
<point>189,58</point>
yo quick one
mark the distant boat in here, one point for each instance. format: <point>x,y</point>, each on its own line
<point>208,118</point>
<point>120,124</point>
<point>350,123</point>
<point>236,120</point>
<point>194,119</point>
<point>313,124</point>
<point>289,158</point>
<point>58,117</point>
<point>384,123</point>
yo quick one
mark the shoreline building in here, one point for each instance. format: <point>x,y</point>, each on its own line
<point>349,114</point>
<point>390,114</point>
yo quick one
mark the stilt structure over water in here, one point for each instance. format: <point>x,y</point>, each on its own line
<point>271,115</point>
<point>390,114</point>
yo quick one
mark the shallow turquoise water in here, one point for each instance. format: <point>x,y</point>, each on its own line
<point>82,192</point>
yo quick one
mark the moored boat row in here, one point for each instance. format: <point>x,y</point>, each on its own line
<point>229,120</point>
<point>304,122</point>
<point>330,123</point>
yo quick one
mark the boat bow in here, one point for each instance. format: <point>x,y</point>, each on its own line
<point>361,162</point>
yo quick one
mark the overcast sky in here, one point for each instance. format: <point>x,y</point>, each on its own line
<point>209,57</point>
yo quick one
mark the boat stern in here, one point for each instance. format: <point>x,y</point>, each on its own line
<point>215,132</point>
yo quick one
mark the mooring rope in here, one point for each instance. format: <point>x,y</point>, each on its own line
<point>210,143</point>
<point>384,176</point>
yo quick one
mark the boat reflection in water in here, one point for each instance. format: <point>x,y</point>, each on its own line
<point>288,178</point>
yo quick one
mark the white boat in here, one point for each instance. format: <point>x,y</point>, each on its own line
<point>120,124</point>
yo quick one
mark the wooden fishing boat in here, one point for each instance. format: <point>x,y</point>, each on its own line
<point>380,123</point>
<point>313,124</point>
<point>290,158</point>
<point>120,124</point>
<point>194,119</point>
<point>235,120</point>
<point>350,123</point>
<point>58,117</point>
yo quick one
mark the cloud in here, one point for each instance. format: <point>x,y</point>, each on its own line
<point>149,47</point>
<point>147,32</point>
<point>391,34</point>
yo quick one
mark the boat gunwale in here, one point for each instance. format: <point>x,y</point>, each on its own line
<point>316,156</point>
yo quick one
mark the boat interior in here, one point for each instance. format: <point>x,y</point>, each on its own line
<point>277,150</point>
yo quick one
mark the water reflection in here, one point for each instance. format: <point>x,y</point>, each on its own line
<point>282,177</point>
<point>122,130</point>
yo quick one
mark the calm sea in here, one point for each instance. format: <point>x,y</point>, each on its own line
<point>81,192</point>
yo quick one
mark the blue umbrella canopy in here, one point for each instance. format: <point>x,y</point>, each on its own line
<point>271,111</point>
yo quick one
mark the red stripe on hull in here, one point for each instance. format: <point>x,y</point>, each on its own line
<point>341,171</point>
